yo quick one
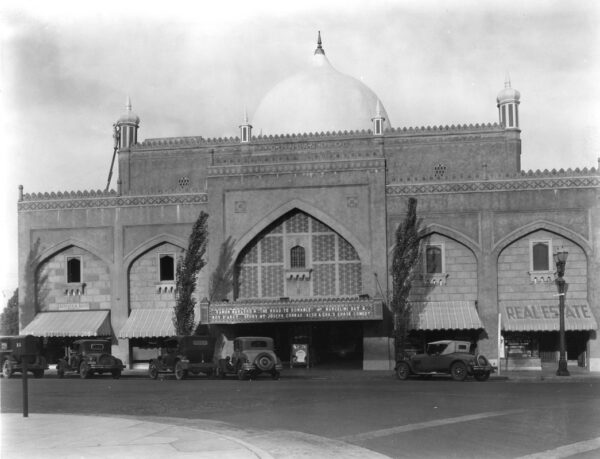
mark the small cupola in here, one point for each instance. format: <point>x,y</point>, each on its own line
<point>378,120</point>
<point>126,127</point>
<point>245,129</point>
<point>508,105</point>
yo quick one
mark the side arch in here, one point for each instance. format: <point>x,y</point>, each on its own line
<point>150,244</point>
<point>435,228</point>
<point>538,225</point>
<point>70,242</point>
<point>311,210</point>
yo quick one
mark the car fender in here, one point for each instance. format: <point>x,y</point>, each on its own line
<point>408,362</point>
<point>469,367</point>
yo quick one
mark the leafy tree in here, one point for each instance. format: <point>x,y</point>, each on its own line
<point>9,319</point>
<point>188,268</point>
<point>405,257</point>
<point>221,280</point>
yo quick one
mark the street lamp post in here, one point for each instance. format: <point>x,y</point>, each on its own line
<point>560,258</point>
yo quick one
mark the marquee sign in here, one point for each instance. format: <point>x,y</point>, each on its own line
<point>536,311</point>
<point>546,317</point>
<point>225,313</point>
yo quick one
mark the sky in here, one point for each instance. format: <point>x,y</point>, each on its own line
<point>193,69</point>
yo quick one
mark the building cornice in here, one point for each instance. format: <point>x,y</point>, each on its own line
<point>525,181</point>
<point>99,199</point>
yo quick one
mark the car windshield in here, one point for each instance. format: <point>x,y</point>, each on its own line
<point>437,348</point>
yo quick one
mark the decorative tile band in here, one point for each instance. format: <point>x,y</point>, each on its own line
<point>491,185</point>
<point>68,202</point>
<point>296,168</point>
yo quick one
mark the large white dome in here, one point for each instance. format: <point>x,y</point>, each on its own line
<point>319,99</point>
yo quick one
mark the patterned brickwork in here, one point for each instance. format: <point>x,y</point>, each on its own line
<point>144,280</point>
<point>248,282</point>
<point>346,251</point>
<point>350,279</point>
<point>318,227</point>
<point>297,223</point>
<point>271,249</point>
<point>324,279</point>
<point>251,256</point>
<point>272,281</point>
<point>263,272</point>
<point>93,292</point>
<point>324,247</point>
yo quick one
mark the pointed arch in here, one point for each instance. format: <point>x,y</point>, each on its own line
<point>435,228</point>
<point>539,225</point>
<point>72,242</point>
<point>157,240</point>
<point>309,209</point>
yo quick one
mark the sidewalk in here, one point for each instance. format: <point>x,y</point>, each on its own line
<point>74,436</point>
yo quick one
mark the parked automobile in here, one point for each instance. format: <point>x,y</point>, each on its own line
<point>89,356</point>
<point>446,357</point>
<point>251,356</point>
<point>11,360</point>
<point>182,355</point>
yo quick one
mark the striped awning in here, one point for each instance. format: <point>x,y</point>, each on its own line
<point>444,315</point>
<point>148,323</point>
<point>70,323</point>
<point>544,316</point>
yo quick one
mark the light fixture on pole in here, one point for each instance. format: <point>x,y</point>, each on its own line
<point>560,258</point>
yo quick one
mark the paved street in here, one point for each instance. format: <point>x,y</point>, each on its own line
<point>415,418</point>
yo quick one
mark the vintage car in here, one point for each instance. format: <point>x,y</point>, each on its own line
<point>12,360</point>
<point>182,355</point>
<point>445,358</point>
<point>89,356</point>
<point>251,356</point>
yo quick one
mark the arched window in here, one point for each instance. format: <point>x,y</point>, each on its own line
<point>297,257</point>
<point>433,259</point>
<point>167,268</point>
<point>73,270</point>
<point>541,257</point>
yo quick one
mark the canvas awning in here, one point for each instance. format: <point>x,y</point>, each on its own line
<point>69,323</point>
<point>444,315</point>
<point>148,323</point>
<point>544,316</point>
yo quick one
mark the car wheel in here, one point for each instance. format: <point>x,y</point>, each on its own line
<point>482,376</point>
<point>38,374</point>
<point>84,371</point>
<point>275,375</point>
<point>458,370</point>
<point>116,374</point>
<point>152,371</point>
<point>402,371</point>
<point>7,371</point>
<point>264,362</point>
<point>180,372</point>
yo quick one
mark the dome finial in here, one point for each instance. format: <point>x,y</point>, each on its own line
<point>319,49</point>
<point>507,80</point>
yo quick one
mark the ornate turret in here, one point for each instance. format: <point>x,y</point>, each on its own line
<point>508,105</point>
<point>245,129</point>
<point>126,127</point>
<point>378,120</point>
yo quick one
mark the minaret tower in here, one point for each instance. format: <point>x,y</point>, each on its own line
<point>378,120</point>
<point>245,129</point>
<point>508,105</point>
<point>127,126</point>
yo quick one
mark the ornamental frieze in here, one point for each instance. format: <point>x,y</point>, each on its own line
<point>73,201</point>
<point>491,186</point>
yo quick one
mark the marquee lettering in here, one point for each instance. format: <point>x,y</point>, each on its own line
<point>534,312</point>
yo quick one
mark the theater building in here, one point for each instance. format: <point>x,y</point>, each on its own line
<point>312,204</point>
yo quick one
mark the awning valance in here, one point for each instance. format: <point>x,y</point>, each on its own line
<point>544,316</point>
<point>148,323</point>
<point>444,315</point>
<point>69,323</point>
